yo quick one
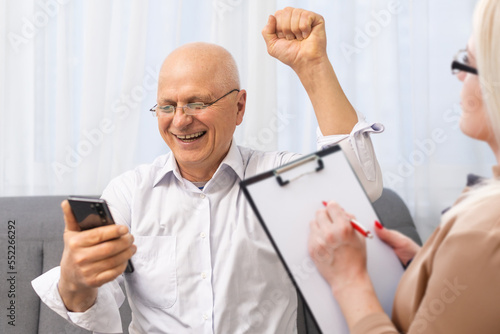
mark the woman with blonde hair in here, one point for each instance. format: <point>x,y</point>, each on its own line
<point>453,282</point>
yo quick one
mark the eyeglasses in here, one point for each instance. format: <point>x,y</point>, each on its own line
<point>460,63</point>
<point>189,109</point>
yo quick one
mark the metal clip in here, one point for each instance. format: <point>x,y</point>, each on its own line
<point>286,168</point>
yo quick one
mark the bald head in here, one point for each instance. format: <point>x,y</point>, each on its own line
<point>206,60</point>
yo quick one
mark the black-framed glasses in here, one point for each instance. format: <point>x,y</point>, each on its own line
<point>461,63</point>
<point>194,108</point>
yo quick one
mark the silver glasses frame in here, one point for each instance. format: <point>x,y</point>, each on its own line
<point>191,109</point>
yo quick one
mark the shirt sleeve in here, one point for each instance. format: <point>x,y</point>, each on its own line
<point>102,317</point>
<point>118,195</point>
<point>358,149</point>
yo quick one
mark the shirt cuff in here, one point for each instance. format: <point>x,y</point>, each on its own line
<point>102,317</point>
<point>360,141</point>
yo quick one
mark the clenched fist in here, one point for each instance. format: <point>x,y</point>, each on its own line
<point>296,37</point>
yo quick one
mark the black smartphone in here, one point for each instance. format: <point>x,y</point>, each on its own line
<point>91,213</point>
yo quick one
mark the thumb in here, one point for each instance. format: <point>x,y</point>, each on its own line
<point>69,218</point>
<point>269,31</point>
<point>390,237</point>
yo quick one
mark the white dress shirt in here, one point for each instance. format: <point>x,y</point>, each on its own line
<point>203,262</point>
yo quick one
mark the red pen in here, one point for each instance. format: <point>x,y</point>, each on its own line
<point>358,227</point>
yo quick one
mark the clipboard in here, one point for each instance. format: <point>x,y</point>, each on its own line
<point>286,199</point>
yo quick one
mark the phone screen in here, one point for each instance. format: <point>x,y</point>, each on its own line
<point>90,212</point>
<point>93,212</point>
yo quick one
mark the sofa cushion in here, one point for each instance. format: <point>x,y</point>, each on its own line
<point>39,227</point>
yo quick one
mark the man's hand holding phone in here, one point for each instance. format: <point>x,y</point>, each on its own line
<point>90,259</point>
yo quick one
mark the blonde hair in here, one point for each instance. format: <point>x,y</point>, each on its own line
<point>487,38</point>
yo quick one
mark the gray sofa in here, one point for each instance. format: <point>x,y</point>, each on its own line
<point>31,239</point>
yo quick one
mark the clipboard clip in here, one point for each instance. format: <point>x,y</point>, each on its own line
<point>286,168</point>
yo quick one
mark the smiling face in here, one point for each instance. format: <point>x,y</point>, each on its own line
<point>193,73</point>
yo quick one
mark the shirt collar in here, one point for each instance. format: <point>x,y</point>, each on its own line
<point>233,159</point>
<point>170,166</point>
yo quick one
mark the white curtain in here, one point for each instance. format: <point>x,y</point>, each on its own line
<point>77,79</point>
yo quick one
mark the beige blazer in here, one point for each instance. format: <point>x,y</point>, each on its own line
<point>453,283</point>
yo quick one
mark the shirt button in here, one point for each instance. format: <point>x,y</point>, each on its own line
<point>205,317</point>
<point>203,235</point>
<point>203,275</point>
<point>202,196</point>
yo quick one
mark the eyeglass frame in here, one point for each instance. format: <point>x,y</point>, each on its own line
<point>457,66</point>
<point>201,105</point>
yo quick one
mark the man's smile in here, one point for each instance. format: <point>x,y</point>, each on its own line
<point>191,137</point>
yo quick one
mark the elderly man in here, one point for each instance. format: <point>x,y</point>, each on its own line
<point>202,262</point>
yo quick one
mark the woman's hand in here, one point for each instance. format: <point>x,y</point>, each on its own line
<point>404,247</point>
<point>338,251</point>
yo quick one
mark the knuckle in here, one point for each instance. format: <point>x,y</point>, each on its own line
<point>72,243</point>
<point>92,281</point>
<point>79,259</point>
<point>94,236</point>
<point>344,232</point>
<point>303,25</point>
<point>296,30</point>
<point>297,11</point>
<point>85,273</point>
<point>107,248</point>
<point>112,262</point>
<point>330,237</point>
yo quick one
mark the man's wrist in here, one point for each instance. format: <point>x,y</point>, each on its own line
<point>76,299</point>
<point>312,65</point>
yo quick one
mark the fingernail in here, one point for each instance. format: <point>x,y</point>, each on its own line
<point>122,229</point>
<point>304,34</point>
<point>324,203</point>
<point>378,225</point>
